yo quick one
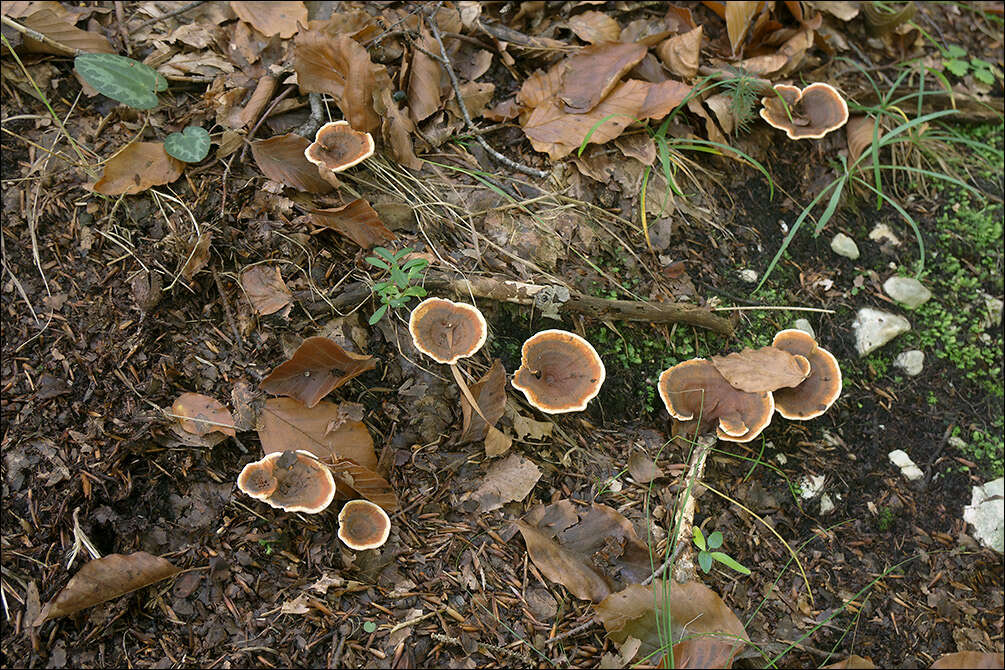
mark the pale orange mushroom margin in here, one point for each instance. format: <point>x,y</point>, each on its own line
<point>447,331</point>
<point>363,525</point>
<point>578,363</point>
<point>820,104</point>
<point>308,486</point>
<point>337,146</point>
<point>818,392</point>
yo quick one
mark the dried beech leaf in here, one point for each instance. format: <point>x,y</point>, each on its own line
<point>106,578</point>
<point>365,482</point>
<point>318,367</point>
<point>969,659</point>
<point>59,26</point>
<point>642,469</point>
<point>856,662</point>
<point>661,98</point>
<point>681,53</point>
<point>595,71</point>
<point>859,129</point>
<point>323,430</point>
<point>593,27</point>
<point>137,167</point>
<point>272,18</point>
<point>497,442</point>
<point>541,86</point>
<point>424,79</point>
<point>738,18</point>
<point>342,68</point>
<point>265,289</point>
<point>704,630</point>
<point>282,159</point>
<point>507,480</point>
<point>561,567</point>
<point>357,220</point>
<point>490,394</point>
<point>197,257</point>
<point>759,370</point>
<point>199,414</point>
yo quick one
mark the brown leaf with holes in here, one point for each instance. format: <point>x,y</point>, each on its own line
<point>266,289</point>
<point>490,394</point>
<point>137,167</point>
<point>318,367</point>
<point>365,482</point>
<point>272,18</point>
<point>199,414</point>
<point>281,158</point>
<point>325,430</point>
<point>594,27</point>
<point>764,369</point>
<point>424,79</point>
<point>106,578</point>
<point>591,550</point>
<point>595,71</point>
<point>341,67</point>
<point>356,220</point>
<point>704,631</point>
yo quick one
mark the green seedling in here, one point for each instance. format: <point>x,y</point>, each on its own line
<point>705,557</point>
<point>123,79</point>
<point>954,59</point>
<point>190,145</point>
<point>398,290</point>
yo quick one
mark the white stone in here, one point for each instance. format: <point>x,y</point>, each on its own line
<point>874,328</point>
<point>906,465</point>
<point>811,486</point>
<point>749,276</point>
<point>907,291</point>
<point>910,362</point>
<point>826,505</point>
<point>882,233</point>
<point>843,245</point>
<point>805,326</point>
<point>993,319</point>
<point>986,513</point>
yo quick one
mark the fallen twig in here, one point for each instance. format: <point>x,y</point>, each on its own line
<point>180,10</point>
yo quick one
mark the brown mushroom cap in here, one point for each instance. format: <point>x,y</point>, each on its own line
<point>447,331</point>
<point>815,110</point>
<point>338,147</point>
<point>695,393</point>
<point>819,391</point>
<point>363,525</point>
<point>559,372</point>
<point>288,480</point>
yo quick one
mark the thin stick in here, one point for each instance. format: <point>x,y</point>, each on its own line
<point>445,61</point>
<point>784,307</point>
<point>180,10</point>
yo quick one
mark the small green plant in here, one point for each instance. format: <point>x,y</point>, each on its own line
<point>190,145</point>
<point>954,59</point>
<point>705,556</point>
<point>398,290</point>
<point>885,519</point>
<point>123,79</point>
<point>369,626</point>
<point>267,545</point>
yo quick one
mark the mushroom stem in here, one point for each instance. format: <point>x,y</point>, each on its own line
<point>467,392</point>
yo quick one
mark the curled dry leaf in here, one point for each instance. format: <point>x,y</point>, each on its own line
<point>595,71</point>
<point>199,414</point>
<point>272,18</point>
<point>424,79</point>
<point>106,578</point>
<point>266,289</point>
<point>589,550</point>
<point>593,27</point>
<point>137,167</point>
<point>859,129</point>
<point>53,21</point>
<point>764,369</point>
<point>365,482</point>
<point>318,367</point>
<point>705,632</point>
<point>739,16</point>
<point>282,159</point>
<point>323,430</point>
<point>490,394</point>
<point>507,480</point>
<point>341,67</point>
<point>681,53</point>
<point>356,220</point>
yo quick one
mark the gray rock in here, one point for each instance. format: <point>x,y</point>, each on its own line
<point>749,276</point>
<point>907,291</point>
<point>843,245</point>
<point>906,465</point>
<point>910,362</point>
<point>805,326</point>
<point>986,513</point>
<point>881,233</point>
<point>874,328</point>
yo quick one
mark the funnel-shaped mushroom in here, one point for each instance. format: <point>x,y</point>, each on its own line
<point>363,525</point>
<point>289,480</point>
<point>696,394</point>
<point>338,147</point>
<point>447,331</point>
<point>806,114</point>
<point>818,391</point>
<point>559,372</point>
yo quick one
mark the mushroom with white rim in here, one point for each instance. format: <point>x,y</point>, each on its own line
<point>805,114</point>
<point>819,390</point>
<point>363,525</point>
<point>559,372</point>
<point>294,481</point>
<point>337,147</point>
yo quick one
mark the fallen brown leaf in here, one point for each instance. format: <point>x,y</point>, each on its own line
<point>282,159</point>
<point>342,68</point>
<point>272,18</point>
<point>856,662</point>
<point>681,53</point>
<point>738,16</point>
<point>323,430</point>
<point>356,220</point>
<point>490,394</point>
<point>53,21</point>
<point>507,480</point>
<point>764,369</point>
<point>595,71</point>
<point>106,578</point>
<point>859,130</point>
<point>593,27</point>
<point>365,482</point>
<point>424,79</point>
<point>136,167</point>
<point>199,414</point>
<point>318,367</point>
<point>961,660</point>
<point>266,289</point>
<point>642,469</point>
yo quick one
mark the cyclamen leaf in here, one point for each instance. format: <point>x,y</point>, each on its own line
<point>123,79</point>
<point>190,145</point>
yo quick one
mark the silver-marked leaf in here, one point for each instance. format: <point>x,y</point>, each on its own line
<point>190,145</point>
<point>123,79</point>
